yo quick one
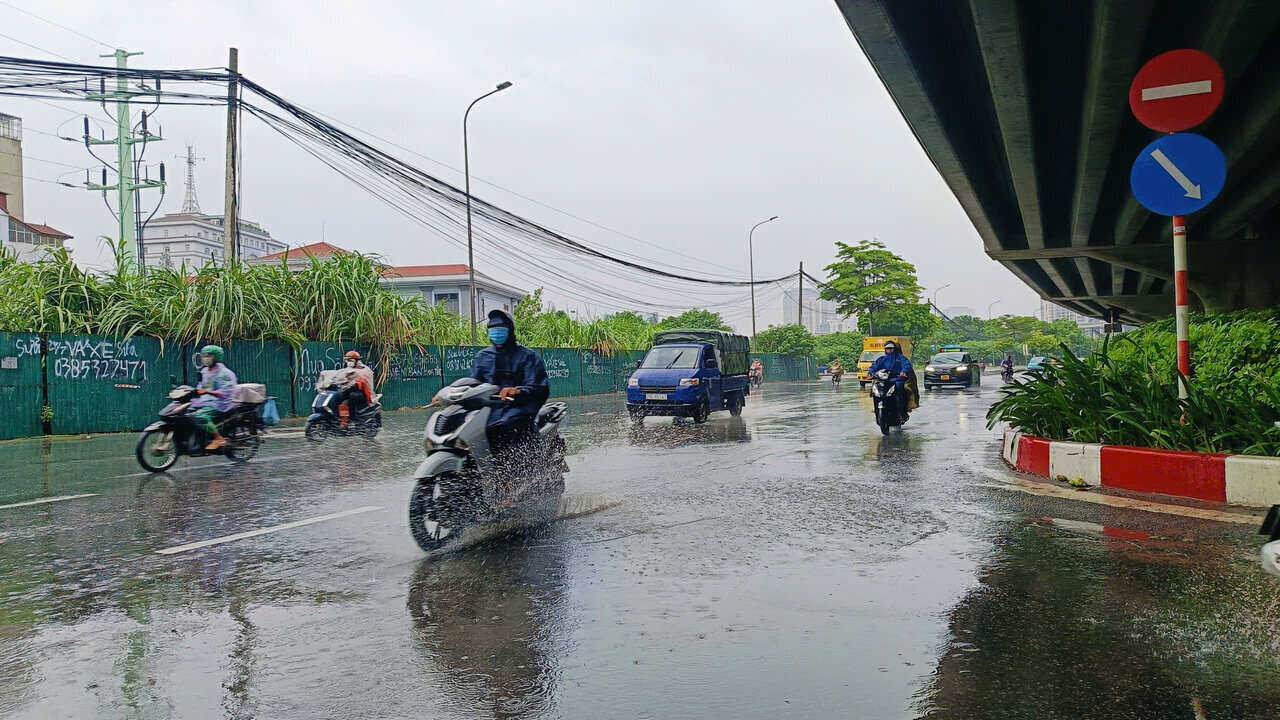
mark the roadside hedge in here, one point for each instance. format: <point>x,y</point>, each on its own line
<point>1127,392</point>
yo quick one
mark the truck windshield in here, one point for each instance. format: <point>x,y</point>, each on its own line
<point>673,356</point>
<point>870,356</point>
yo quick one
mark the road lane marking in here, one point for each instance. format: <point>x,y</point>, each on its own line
<point>264,531</point>
<point>41,501</point>
<point>1030,487</point>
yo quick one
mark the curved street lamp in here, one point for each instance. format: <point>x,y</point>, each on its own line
<point>751,260</point>
<point>466,165</point>
<point>993,304</point>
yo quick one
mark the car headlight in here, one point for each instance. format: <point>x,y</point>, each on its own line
<point>930,368</point>
<point>962,368</point>
<point>688,382</point>
<point>633,382</point>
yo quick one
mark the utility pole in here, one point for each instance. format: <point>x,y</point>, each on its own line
<point>125,186</point>
<point>230,213</point>
<point>800,283</point>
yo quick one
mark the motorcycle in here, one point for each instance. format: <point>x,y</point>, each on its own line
<point>835,379</point>
<point>331,412</point>
<point>888,404</point>
<point>1006,374</point>
<point>457,485</point>
<point>1271,550</point>
<point>177,434</point>
<point>755,379</point>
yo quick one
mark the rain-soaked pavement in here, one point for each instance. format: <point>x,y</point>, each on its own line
<point>791,563</point>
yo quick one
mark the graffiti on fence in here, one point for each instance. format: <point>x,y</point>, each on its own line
<point>27,346</point>
<point>310,364</point>
<point>593,364</point>
<point>89,359</point>
<point>556,368</point>
<point>414,365</point>
<point>459,359</point>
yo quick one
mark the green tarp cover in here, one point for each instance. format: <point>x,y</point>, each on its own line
<point>733,348</point>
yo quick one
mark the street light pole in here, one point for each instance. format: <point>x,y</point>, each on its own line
<point>935,296</point>
<point>466,165</point>
<point>751,260</point>
<point>989,309</point>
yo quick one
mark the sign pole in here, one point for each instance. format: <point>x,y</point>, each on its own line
<point>1180,309</point>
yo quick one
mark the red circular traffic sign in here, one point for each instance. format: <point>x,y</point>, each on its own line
<point>1176,90</point>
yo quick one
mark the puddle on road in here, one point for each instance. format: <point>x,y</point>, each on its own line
<point>569,507</point>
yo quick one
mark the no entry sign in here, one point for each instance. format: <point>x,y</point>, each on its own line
<point>1176,91</point>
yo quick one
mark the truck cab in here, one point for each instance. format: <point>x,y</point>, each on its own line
<point>684,379</point>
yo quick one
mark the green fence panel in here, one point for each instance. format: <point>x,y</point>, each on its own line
<point>313,357</point>
<point>775,368</point>
<point>20,394</point>
<point>103,384</point>
<point>413,378</point>
<point>597,373</point>
<point>253,361</point>
<point>564,372</point>
<point>624,364</point>
<point>457,361</point>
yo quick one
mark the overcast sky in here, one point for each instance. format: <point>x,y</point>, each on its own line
<point>680,123</point>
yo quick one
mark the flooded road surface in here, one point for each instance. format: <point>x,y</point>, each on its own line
<point>790,563</point>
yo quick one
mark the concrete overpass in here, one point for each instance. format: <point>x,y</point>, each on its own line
<point>1023,108</point>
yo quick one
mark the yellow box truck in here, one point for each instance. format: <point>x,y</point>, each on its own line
<point>872,348</point>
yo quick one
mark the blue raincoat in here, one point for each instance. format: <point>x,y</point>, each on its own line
<point>513,365</point>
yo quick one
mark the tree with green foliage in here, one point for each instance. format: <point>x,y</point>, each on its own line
<point>845,346</point>
<point>913,320</point>
<point>868,276</point>
<point>785,340</point>
<point>696,319</point>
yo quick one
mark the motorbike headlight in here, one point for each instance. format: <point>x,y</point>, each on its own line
<point>633,382</point>
<point>891,389</point>
<point>875,390</point>
<point>688,382</point>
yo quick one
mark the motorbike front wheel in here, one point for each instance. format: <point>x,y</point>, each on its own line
<point>317,431</point>
<point>431,533</point>
<point>157,450</point>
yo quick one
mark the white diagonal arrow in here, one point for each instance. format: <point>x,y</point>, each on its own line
<point>1193,191</point>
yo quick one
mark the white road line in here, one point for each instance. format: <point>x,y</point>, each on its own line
<point>1009,482</point>
<point>264,531</point>
<point>42,501</point>
<point>1163,92</point>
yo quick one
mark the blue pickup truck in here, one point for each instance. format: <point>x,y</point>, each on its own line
<point>690,373</point>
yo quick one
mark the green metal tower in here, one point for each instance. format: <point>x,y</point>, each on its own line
<point>126,184</point>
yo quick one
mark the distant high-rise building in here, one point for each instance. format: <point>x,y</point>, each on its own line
<point>1050,312</point>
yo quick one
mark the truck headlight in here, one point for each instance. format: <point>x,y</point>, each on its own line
<point>688,382</point>
<point>633,382</point>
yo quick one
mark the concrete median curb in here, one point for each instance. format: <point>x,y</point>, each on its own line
<point>1235,479</point>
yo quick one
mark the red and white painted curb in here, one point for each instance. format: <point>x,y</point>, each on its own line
<point>1236,479</point>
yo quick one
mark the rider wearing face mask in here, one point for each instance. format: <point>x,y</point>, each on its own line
<point>362,381</point>
<point>522,377</point>
<point>214,390</point>
<point>901,372</point>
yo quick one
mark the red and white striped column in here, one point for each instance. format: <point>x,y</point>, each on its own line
<point>1180,309</point>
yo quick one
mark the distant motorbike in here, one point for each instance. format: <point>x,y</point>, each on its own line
<point>888,403</point>
<point>331,412</point>
<point>177,434</point>
<point>756,378</point>
<point>835,379</point>
<point>457,485</point>
<point>1006,374</point>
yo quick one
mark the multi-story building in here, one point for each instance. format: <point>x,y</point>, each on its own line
<point>1093,327</point>
<point>447,285</point>
<point>820,316</point>
<point>11,162</point>
<point>196,239</point>
<point>27,240</point>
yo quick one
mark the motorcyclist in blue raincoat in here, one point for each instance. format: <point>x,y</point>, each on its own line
<point>900,371</point>
<point>522,377</point>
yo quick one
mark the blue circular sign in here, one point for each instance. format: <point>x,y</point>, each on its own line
<point>1178,174</point>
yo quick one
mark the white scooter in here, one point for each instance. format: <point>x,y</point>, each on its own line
<point>456,485</point>
<point>1271,551</point>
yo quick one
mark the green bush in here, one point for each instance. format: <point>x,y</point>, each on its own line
<point>1127,394</point>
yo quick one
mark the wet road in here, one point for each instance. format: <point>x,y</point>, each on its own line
<point>791,563</point>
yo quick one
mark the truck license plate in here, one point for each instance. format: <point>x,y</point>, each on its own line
<point>655,396</point>
<point>946,377</point>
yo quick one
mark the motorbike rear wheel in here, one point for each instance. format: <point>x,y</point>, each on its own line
<point>242,443</point>
<point>157,450</point>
